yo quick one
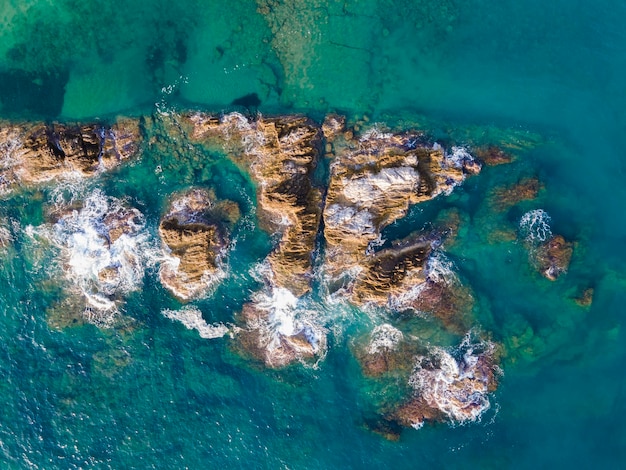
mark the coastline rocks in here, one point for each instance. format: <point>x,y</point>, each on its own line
<point>280,154</point>
<point>196,242</point>
<point>450,386</point>
<point>37,153</point>
<point>373,182</point>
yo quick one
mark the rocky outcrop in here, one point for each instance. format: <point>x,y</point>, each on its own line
<point>552,257</point>
<point>281,156</point>
<point>374,180</point>
<point>196,238</point>
<point>36,153</point>
<point>450,387</point>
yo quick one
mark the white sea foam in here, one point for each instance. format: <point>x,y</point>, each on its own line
<point>104,250</point>
<point>384,338</point>
<point>457,384</point>
<point>439,268</point>
<point>191,317</point>
<point>535,226</point>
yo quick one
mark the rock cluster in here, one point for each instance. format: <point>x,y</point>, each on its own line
<point>36,152</point>
<point>450,387</point>
<point>281,155</point>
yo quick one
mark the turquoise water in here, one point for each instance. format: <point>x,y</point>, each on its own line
<point>153,394</point>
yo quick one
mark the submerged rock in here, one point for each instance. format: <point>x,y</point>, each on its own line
<point>35,152</point>
<point>506,197</point>
<point>585,298</point>
<point>197,240</point>
<point>385,351</point>
<point>493,155</point>
<point>552,257</point>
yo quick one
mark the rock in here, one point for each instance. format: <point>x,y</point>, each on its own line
<point>281,155</point>
<point>493,155</point>
<point>277,333</point>
<point>450,386</point>
<point>197,240</point>
<point>373,182</point>
<point>552,257</point>
<point>585,299</point>
<point>385,351</point>
<point>333,126</point>
<point>33,153</point>
<point>506,197</point>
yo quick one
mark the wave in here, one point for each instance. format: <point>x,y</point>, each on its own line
<point>191,317</point>
<point>535,226</point>
<point>104,248</point>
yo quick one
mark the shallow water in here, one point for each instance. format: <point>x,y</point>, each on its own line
<point>154,394</point>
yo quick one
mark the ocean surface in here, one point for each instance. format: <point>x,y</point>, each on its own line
<point>151,393</point>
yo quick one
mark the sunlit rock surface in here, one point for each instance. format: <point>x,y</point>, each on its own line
<point>196,243</point>
<point>36,152</point>
<point>450,385</point>
<point>374,179</point>
<point>281,156</point>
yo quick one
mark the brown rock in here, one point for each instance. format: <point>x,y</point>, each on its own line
<point>281,156</point>
<point>506,197</point>
<point>373,182</point>
<point>493,155</point>
<point>196,240</point>
<point>585,299</point>
<point>552,257</point>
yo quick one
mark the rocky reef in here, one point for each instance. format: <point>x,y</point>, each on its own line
<point>525,190</point>
<point>36,152</point>
<point>196,237</point>
<point>450,385</point>
<point>552,257</point>
<point>374,179</point>
<point>281,155</point>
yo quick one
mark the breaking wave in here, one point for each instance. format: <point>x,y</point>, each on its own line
<point>535,226</point>
<point>104,248</point>
<point>191,317</point>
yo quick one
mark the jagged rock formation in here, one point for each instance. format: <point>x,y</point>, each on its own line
<point>196,242</point>
<point>36,152</point>
<point>450,387</point>
<point>281,156</point>
<point>374,180</point>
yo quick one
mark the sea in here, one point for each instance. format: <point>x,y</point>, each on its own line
<point>149,391</point>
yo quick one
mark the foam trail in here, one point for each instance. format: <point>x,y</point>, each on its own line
<point>535,226</point>
<point>191,317</point>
